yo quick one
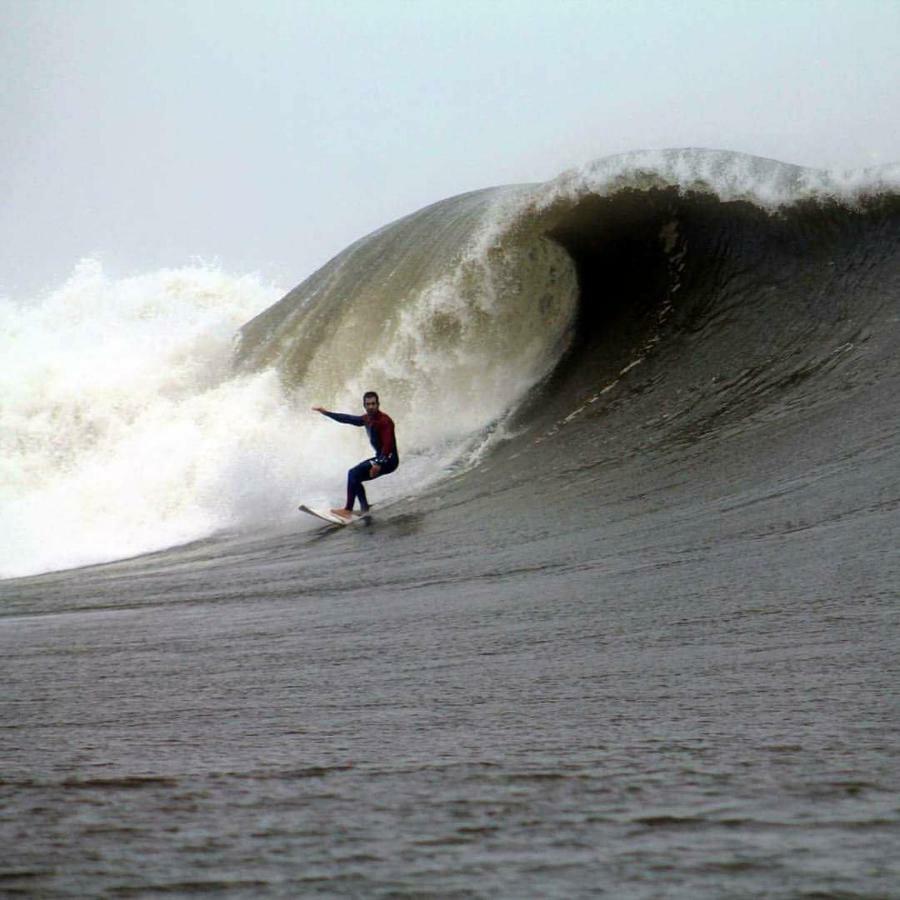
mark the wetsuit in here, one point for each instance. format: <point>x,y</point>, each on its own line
<point>380,428</point>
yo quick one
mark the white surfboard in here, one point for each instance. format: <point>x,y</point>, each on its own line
<point>328,516</point>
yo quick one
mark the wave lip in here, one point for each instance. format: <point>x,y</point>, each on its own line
<point>726,174</point>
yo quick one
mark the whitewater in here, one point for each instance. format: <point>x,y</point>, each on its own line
<point>122,428</point>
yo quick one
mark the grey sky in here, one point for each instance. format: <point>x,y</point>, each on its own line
<point>268,135</point>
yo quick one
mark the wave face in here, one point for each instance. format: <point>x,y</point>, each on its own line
<point>744,277</point>
<point>451,318</point>
<point>633,309</point>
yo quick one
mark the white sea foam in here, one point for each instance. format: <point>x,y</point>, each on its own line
<point>465,348</point>
<point>123,428</point>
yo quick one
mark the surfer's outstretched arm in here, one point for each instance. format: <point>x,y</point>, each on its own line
<point>345,418</point>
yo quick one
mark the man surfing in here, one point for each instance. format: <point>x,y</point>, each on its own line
<point>380,428</point>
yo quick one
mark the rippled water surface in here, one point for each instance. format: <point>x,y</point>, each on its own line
<point>717,717</point>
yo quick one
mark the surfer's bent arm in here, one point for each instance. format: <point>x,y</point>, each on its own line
<point>386,443</point>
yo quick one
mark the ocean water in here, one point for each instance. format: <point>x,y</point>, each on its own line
<point>624,622</point>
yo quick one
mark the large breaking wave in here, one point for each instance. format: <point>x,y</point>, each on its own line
<point>718,285</point>
<point>459,310</point>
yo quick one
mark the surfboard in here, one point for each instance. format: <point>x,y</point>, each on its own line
<point>328,516</point>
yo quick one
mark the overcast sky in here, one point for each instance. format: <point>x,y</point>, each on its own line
<point>267,135</point>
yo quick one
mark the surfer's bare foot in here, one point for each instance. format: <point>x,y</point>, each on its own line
<point>343,513</point>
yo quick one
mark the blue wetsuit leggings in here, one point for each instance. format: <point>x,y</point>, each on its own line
<point>358,474</point>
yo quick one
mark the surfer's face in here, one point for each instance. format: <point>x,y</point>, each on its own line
<point>371,405</point>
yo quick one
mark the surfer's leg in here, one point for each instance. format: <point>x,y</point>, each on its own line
<point>388,467</point>
<point>355,477</point>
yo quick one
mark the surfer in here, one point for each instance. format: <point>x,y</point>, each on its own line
<point>380,428</point>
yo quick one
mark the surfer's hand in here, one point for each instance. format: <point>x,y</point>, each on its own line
<point>375,470</point>
<point>320,409</point>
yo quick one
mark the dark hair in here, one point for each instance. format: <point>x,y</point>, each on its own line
<point>368,394</point>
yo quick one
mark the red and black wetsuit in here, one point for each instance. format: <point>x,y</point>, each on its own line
<point>380,428</point>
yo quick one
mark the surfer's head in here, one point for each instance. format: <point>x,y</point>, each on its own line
<point>370,401</point>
